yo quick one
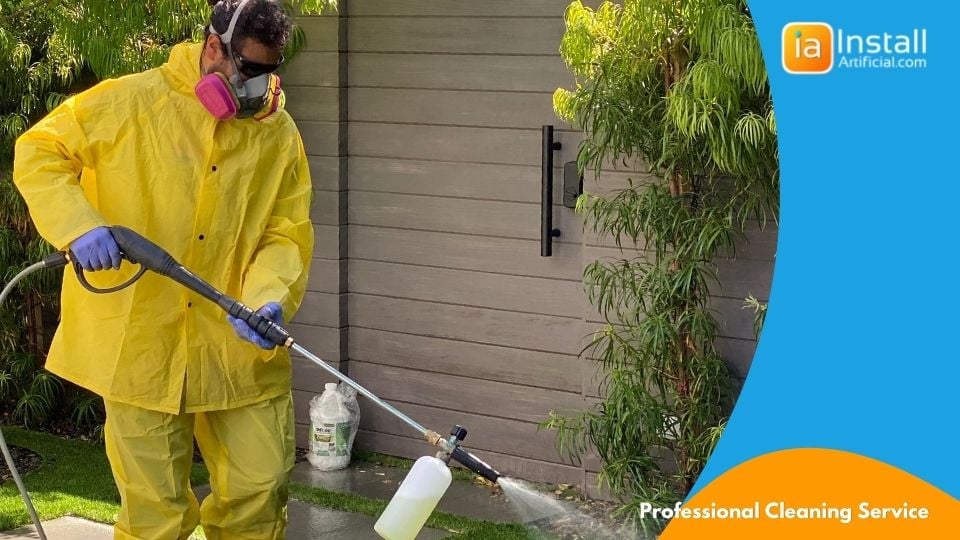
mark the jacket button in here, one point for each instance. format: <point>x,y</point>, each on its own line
<point>214,168</point>
<point>200,237</point>
<point>189,304</point>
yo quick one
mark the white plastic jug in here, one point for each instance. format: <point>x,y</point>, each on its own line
<point>334,417</point>
<point>416,498</point>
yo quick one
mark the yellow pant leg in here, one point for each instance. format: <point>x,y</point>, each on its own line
<point>249,452</point>
<point>150,455</point>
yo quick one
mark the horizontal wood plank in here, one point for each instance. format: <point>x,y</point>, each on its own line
<point>453,108</point>
<point>456,72</point>
<point>759,244</point>
<point>496,291</point>
<point>328,276</point>
<point>329,242</point>
<point>455,393</point>
<point>321,138</point>
<point>311,68</point>
<point>313,103</point>
<point>463,251</point>
<point>476,325</point>
<point>328,208</point>
<point>733,320</point>
<point>459,35</point>
<point>488,218</point>
<point>488,362</point>
<point>458,144</point>
<point>518,183</point>
<point>326,173</point>
<point>739,278</point>
<point>322,309</point>
<point>323,33</point>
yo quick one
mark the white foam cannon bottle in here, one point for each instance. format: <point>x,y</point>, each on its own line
<point>423,487</point>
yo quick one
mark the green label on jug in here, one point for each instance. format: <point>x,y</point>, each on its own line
<point>331,439</point>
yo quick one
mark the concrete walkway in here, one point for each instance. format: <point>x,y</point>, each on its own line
<point>307,522</point>
<point>63,528</point>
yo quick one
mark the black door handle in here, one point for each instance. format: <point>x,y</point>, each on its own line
<point>547,232</point>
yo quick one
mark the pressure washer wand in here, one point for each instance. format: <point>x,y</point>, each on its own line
<point>138,249</point>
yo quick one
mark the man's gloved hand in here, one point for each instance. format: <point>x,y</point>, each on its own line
<point>97,250</point>
<point>272,311</point>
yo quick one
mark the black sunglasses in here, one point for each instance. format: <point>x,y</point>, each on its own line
<point>254,69</point>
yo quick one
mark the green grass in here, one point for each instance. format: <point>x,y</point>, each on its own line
<point>75,479</point>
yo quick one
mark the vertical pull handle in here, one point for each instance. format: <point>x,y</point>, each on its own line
<point>547,232</point>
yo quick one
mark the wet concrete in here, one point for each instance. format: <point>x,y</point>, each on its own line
<point>378,482</point>
<point>308,522</point>
<point>311,522</point>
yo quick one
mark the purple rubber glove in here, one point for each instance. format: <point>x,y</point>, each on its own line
<point>272,311</point>
<point>97,250</point>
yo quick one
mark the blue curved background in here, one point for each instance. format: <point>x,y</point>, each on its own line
<point>859,351</point>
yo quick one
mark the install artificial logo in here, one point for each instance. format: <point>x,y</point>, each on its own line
<point>807,48</point>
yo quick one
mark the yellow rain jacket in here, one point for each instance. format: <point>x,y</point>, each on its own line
<point>229,200</point>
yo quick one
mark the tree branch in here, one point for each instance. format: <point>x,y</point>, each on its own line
<point>28,8</point>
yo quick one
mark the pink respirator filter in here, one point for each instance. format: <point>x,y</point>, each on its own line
<point>216,97</point>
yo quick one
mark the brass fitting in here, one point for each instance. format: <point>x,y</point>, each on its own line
<point>433,437</point>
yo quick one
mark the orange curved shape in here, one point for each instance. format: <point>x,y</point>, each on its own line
<point>820,495</point>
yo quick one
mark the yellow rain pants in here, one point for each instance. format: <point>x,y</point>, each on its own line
<point>248,450</point>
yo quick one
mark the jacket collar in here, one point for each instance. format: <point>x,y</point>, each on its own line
<point>183,67</point>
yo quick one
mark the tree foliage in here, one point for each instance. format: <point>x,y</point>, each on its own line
<point>51,49</point>
<point>679,85</point>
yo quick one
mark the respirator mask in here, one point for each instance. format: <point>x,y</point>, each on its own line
<point>259,96</point>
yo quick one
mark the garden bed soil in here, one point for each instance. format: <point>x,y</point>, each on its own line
<point>25,461</point>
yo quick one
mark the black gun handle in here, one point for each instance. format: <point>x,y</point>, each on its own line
<point>269,330</point>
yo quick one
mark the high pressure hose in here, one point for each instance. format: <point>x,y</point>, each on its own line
<point>138,250</point>
<point>52,261</point>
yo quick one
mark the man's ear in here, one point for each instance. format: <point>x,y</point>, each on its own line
<point>212,48</point>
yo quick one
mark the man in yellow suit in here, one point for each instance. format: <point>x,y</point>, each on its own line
<point>198,156</point>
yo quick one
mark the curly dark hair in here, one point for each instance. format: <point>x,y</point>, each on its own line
<point>262,20</point>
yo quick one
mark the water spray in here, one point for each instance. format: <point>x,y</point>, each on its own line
<point>138,250</point>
